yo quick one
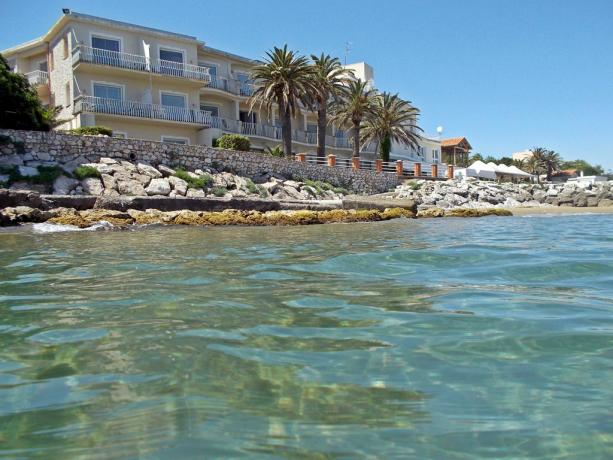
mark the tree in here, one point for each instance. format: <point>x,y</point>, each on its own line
<point>285,79</point>
<point>330,80</point>
<point>20,106</point>
<point>584,166</point>
<point>536,162</point>
<point>351,109</point>
<point>391,120</point>
<point>551,161</point>
<point>505,161</point>
<point>476,157</point>
<point>519,163</point>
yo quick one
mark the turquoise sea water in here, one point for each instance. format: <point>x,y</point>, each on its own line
<point>429,339</point>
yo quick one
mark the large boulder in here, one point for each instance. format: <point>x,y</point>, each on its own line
<point>27,171</point>
<point>63,185</point>
<point>166,171</point>
<point>92,186</point>
<point>109,182</point>
<point>130,187</point>
<point>605,203</point>
<point>179,186</point>
<point>148,170</point>
<point>158,187</point>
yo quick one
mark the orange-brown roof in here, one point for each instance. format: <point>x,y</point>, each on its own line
<point>454,141</point>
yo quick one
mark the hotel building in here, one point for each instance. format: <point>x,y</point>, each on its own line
<point>151,84</point>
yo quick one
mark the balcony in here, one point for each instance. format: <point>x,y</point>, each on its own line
<point>38,78</point>
<point>232,86</point>
<point>136,109</point>
<point>87,54</point>
<point>274,133</point>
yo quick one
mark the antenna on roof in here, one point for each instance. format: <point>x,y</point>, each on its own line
<point>66,10</point>
<point>347,50</point>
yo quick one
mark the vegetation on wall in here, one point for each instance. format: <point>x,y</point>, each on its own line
<point>92,131</point>
<point>234,142</point>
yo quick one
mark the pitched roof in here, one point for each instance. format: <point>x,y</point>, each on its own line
<point>454,141</point>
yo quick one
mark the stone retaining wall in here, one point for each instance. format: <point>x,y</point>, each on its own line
<point>18,147</point>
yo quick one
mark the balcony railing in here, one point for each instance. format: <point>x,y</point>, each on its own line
<point>232,86</point>
<point>38,78</point>
<point>141,110</point>
<point>274,132</point>
<point>128,61</point>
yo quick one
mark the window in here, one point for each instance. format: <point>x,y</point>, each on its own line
<point>42,66</point>
<point>173,100</point>
<point>175,140</point>
<point>171,55</point>
<point>210,108</point>
<point>108,44</point>
<point>107,91</point>
<point>67,95</point>
<point>212,73</point>
<point>247,117</point>
<point>311,128</point>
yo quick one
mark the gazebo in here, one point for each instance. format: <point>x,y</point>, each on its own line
<point>455,151</point>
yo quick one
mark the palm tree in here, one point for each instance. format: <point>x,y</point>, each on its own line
<point>551,162</point>
<point>536,161</point>
<point>330,80</point>
<point>350,110</point>
<point>392,120</point>
<point>285,78</point>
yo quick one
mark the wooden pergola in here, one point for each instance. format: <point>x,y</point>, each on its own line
<point>455,151</point>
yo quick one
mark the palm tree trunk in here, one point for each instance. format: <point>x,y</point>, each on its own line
<point>286,129</point>
<point>321,132</point>
<point>356,140</point>
<point>549,171</point>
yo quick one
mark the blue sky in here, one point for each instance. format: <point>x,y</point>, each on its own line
<point>507,74</point>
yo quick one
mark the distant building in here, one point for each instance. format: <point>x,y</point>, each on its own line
<point>522,156</point>
<point>455,151</point>
<point>363,71</point>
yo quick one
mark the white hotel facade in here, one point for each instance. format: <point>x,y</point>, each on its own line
<point>184,92</point>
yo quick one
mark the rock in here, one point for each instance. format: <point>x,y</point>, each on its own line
<point>109,182</point>
<point>108,161</point>
<point>19,214</point>
<point>292,192</point>
<point>195,193</point>
<point>166,171</point>
<point>271,187</point>
<point>27,171</point>
<point>14,198</point>
<point>144,179</point>
<point>130,188</point>
<point>179,186</point>
<point>158,187</point>
<point>92,186</point>
<point>224,179</point>
<point>148,170</point>
<point>592,201</point>
<point>604,203</point>
<point>64,185</point>
<point>292,183</point>
<point>580,200</point>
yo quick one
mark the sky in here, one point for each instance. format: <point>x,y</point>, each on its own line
<point>506,74</point>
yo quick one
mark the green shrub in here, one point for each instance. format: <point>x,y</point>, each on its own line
<point>92,131</point>
<point>234,142</point>
<point>340,191</point>
<point>219,191</point>
<point>46,175</point>
<point>414,185</point>
<point>83,172</point>
<point>276,151</point>
<point>252,187</point>
<point>194,182</point>
<point>215,143</point>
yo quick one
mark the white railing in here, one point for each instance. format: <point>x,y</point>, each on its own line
<point>231,85</point>
<point>141,110</point>
<point>38,77</point>
<point>82,53</point>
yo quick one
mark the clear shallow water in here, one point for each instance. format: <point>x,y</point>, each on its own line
<point>430,339</point>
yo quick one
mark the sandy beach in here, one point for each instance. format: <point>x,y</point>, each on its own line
<point>560,210</point>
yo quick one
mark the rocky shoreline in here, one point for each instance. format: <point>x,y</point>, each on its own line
<point>473,194</point>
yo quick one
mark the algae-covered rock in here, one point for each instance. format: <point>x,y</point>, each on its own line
<point>468,212</point>
<point>431,212</point>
